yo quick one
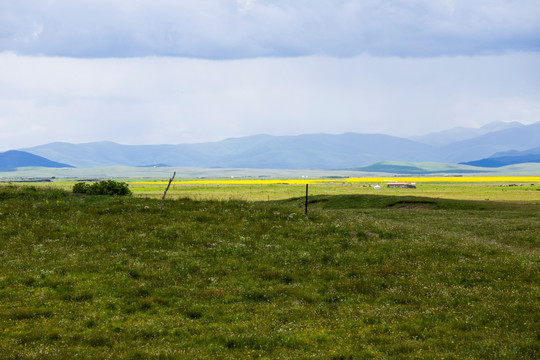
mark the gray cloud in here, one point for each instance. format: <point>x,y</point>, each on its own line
<point>173,100</point>
<point>232,29</point>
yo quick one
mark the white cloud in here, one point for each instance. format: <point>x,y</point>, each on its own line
<point>223,29</point>
<point>175,100</point>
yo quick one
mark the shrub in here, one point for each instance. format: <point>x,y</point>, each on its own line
<point>104,187</point>
<point>81,188</point>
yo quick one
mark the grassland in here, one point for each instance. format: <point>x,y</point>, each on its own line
<point>438,272</point>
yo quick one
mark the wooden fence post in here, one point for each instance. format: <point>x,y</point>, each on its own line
<point>165,193</point>
<point>306,197</point>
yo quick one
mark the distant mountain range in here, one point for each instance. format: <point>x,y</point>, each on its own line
<point>456,134</point>
<point>508,158</point>
<point>520,138</point>
<point>13,159</point>
<point>314,151</point>
<point>419,168</point>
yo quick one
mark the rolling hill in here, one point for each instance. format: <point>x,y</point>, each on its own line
<point>13,159</point>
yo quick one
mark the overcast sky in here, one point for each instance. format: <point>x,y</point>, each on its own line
<point>173,71</point>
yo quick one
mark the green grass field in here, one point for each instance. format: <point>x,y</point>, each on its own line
<point>474,191</point>
<point>227,272</point>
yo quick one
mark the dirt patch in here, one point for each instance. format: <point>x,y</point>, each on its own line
<point>411,205</point>
<point>314,201</point>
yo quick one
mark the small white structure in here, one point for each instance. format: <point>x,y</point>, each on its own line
<point>377,187</point>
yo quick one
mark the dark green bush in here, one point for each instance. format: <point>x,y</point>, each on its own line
<point>81,188</point>
<point>104,187</point>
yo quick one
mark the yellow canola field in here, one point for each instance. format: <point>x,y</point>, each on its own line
<point>461,179</point>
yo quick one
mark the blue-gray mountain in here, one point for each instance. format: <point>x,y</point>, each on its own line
<point>508,158</point>
<point>315,151</point>
<point>13,159</point>
<point>456,134</point>
<point>517,138</point>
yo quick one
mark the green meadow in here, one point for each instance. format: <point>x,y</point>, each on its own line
<point>523,192</point>
<point>445,271</point>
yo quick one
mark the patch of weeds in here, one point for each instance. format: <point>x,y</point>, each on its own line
<point>116,329</point>
<point>27,314</point>
<point>194,313</point>
<point>342,357</point>
<point>90,323</point>
<point>403,299</point>
<point>276,275</point>
<point>29,338</point>
<point>134,274</point>
<point>129,309</point>
<point>80,296</point>
<point>404,348</point>
<point>329,259</point>
<point>54,335</point>
<point>162,301</point>
<point>257,296</point>
<point>363,235</point>
<point>333,298</point>
<point>371,320</point>
<point>145,334</point>
<point>412,330</point>
<point>136,355</point>
<point>385,233</point>
<point>530,349</point>
<point>98,341</point>
<point>245,341</point>
<point>298,293</point>
<point>142,292</point>
<point>29,281</point>
<point>356,285</point>
<point>209,294</point>
<point>286,279</point>
<point>145,304</point>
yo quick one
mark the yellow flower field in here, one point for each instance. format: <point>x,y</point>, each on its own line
<point>460,179</point>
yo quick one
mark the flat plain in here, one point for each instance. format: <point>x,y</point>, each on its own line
<point>444,271</point>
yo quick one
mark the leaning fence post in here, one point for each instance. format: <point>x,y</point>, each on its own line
<point>165,193</point>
